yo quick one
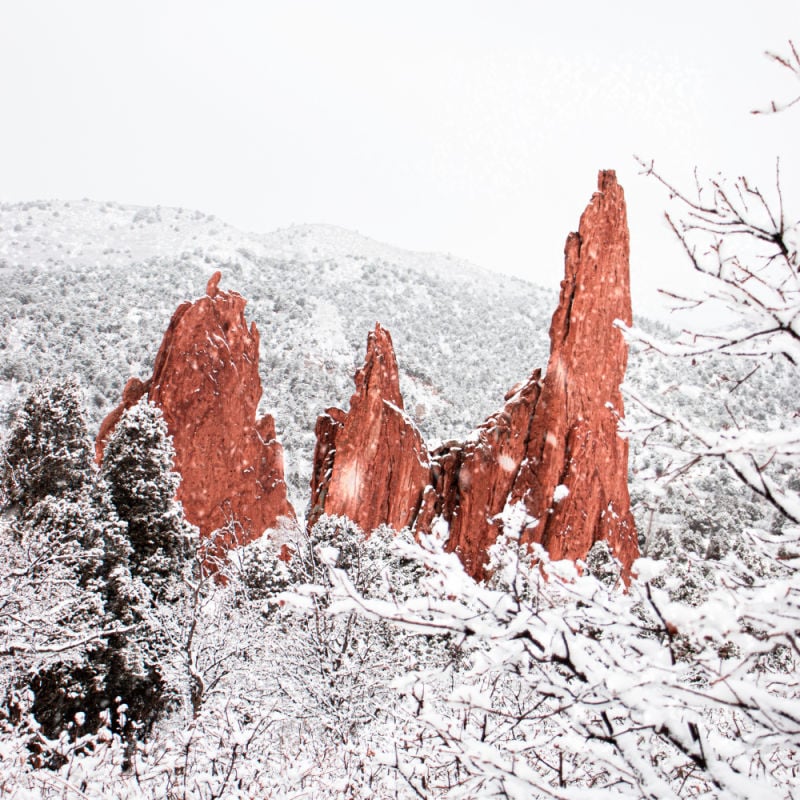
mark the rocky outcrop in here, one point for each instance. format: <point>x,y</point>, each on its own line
<point>206,383</point>
<point>370,463</point>
<point>573,481</point>
<point>552,462</point>
<point>471,481</point>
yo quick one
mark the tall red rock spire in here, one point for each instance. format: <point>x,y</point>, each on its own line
<point>553,452</point>
<point>574,478</point>
<point>370,463</point>
<point>206,383</point>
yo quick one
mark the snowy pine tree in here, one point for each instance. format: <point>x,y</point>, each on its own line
<point>52,566</point>
<point>146,585</point>
<point>48,452</point>
<point>55,545</point>
<point>137,466</point>
<point>95,565</point>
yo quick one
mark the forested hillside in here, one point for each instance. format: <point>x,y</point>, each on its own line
<point>463,336</point>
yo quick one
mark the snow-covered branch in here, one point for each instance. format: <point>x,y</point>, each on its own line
<point>574,689</point>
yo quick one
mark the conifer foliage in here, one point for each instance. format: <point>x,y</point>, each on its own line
<point>87,558</point>
<point>145,590</point>
<point>48,453</point>
<point>137,467</point>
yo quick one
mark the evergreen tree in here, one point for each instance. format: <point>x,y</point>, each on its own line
<point>137,466</point>
<point>48,452</point>
<point>97,566</point>
<point>118,678</point>
<point>53,554</point>
<point>55,565</point>
<point>146,590</point>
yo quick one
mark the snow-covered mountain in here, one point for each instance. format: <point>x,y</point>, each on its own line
<point>90,288</point>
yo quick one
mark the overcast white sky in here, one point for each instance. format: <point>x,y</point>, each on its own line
<point>475,128</point>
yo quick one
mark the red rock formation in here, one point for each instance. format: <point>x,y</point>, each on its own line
<point>554,451</point>
<point>206,383</point>
<point>573,440</point>
<point>471,481</point>
<point>370,464</point>
<point>551,457</point>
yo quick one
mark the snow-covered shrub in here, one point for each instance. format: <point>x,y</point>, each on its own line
<point>336,665</point>
<point>574,689</point>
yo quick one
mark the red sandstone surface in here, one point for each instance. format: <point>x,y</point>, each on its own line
<point>370,463</point>
<point>206,383</point>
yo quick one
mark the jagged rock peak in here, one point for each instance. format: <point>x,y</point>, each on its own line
<point>551,460</point>
<point>212,287</point>
<point>574,479</point>
<point>206,383</point>
<point>379,378</point>
<point>370,463</point>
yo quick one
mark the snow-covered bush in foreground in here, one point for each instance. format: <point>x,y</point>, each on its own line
<point>347,679</point>
<point>574,690</point>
